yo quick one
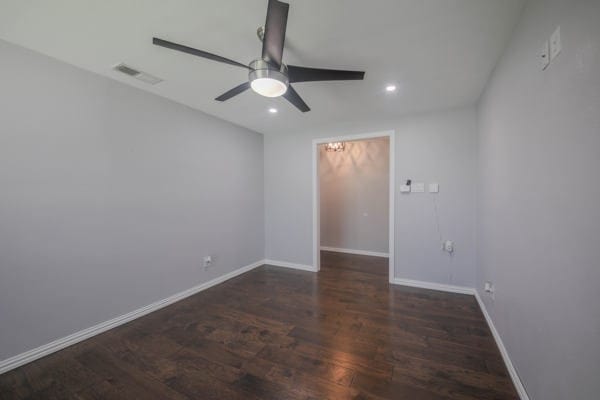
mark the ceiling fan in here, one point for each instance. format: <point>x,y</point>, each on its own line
<point>268,75</point>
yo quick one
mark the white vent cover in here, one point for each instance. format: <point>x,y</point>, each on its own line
<point>137,74</point>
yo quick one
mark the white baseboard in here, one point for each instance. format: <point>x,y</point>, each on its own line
<point>507,361</point>
<point>286,264</point>
<point>359,252</point>
<point>59,344</point>
<point>473,292</point>
<point>434,286</point>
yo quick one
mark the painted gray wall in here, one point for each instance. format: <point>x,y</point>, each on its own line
<point>354,195</point>
<point>110,198</point>
<point>434,147</point>
<point>539,201</point>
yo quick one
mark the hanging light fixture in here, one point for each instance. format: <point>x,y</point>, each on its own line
<point>335,146</point>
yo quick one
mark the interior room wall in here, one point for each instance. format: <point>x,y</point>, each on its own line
<point>354,195</point>
<point>110,199</point>
<point>434,147</point>
<point>539,214</point>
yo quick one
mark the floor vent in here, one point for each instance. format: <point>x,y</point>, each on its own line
<point>137,74</point>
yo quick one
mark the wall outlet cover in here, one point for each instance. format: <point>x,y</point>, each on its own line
<point>448,246</point>
<point>544,55</point>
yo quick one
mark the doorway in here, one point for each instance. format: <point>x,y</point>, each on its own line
<point>347,211</point>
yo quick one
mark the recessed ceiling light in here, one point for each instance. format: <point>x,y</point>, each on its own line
<point>273,110</point>
<point>390,88</point>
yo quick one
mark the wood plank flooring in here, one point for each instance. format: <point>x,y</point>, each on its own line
<point>274,333</point>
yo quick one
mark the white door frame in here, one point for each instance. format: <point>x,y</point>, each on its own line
<point>316,195</point>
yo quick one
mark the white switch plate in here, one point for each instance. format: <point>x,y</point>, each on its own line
<point>555,44</point>
<point>434,187</point>
<point>405,189</point>
<point>544,56</point>
<point>418,187</point>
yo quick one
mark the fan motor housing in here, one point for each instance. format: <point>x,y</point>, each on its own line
<point>262,71</point>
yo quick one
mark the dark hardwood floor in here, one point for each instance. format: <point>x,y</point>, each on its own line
<point>275,333</point>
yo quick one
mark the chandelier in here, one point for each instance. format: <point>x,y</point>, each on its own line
<point>335,146</point>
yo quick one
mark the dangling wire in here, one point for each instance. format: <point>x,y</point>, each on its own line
<point>437,218</point>
<point>439,231</point>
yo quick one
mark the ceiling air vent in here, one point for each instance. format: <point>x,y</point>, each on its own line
<point>137,74</point>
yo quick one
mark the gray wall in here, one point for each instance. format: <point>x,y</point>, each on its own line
<point>434,147</point>
<point>539,201</point>
<point>110,197</point>
<point>354,195</point>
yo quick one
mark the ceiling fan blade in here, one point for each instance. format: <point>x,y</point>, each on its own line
<point>293,97</point>
<point>306,74</point>
<point>196,52</point>
<point>275,26</point>
<point>234,92</point>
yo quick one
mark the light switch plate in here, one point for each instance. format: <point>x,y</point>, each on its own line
<point>417,187</point>
<point>405,189</point>
<point>555,44</point>
<point>544,56</point>
<point>434,187</point>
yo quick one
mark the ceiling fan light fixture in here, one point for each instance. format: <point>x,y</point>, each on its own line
<point>267,81</point>
<point>268,87</point>
<point>268,75</point>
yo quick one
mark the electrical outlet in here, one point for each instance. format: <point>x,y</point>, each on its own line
<point>207,261</point>
<point>544,56</point>
<point>490,289</point>
<point>448,246</point>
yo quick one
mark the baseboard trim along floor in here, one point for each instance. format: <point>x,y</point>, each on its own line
<point>509,365</point>
<point>359,252</point>
<point>286,264</point>
<point>59,344</point>
<point>473,292</point>
<point>434,286</point>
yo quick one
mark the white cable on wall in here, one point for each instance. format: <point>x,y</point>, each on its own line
<point>441,239</point>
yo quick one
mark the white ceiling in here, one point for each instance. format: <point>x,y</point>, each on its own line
<point>438,52</point>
